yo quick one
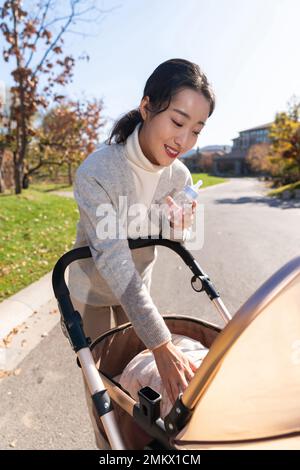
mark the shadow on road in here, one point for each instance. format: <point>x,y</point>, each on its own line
<point>270,201</point>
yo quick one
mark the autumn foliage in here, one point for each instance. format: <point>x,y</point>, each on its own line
<point>281,157</point>
<point>68,133</point>
<point>34,51</point>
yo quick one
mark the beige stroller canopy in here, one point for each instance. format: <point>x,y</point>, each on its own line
<point>248,386</point>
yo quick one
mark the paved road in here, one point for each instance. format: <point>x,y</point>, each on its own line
<point>247,238</point>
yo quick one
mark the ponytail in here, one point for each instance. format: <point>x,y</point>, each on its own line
<point>125,126</point>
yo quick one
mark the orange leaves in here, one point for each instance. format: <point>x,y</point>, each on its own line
<point>284,155</point>
<point>47,35</point>
<point>29,28</point>
<point>72,129</point>
<point>57,50</point>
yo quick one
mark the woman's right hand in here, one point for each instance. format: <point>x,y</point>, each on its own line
<point>175,369</point>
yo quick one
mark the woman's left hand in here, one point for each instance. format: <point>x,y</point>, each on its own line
<point>180,219</point>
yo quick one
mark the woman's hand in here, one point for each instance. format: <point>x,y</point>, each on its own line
<point>180,218</point>
<point>175,369</point>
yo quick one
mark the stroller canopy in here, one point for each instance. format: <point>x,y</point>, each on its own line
<point>248,386</point>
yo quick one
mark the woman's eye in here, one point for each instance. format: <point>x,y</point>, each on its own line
<point>176,123</point>
<point>180,125</point>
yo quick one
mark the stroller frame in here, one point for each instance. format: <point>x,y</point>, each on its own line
<point>147,412</point>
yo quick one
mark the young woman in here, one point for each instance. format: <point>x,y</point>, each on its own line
<point>139,164</point>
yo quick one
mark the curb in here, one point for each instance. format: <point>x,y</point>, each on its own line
<point>17,308</point>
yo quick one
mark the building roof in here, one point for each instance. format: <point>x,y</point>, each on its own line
<point>263,126</point>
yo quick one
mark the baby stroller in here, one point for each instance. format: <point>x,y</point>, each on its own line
<point>244,395</point>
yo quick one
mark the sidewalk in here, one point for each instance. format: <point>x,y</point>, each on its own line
<point>25,319</point>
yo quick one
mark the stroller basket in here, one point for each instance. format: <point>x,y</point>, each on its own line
<point>244,395</point>
<point>113,350</point>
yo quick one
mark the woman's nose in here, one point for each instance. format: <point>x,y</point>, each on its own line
<point>181,140</point>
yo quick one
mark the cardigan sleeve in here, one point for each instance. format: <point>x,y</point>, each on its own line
<point>112,257</point>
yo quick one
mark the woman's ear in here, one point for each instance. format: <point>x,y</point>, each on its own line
<point>143,107</point>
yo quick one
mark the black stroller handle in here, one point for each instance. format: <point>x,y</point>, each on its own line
<point>71,319</point>
<point>60,287</point>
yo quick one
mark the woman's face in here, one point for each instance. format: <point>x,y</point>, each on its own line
<point>169,134</point>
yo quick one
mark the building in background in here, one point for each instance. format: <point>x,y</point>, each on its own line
<point>201,160</point>
<point>234,163</point>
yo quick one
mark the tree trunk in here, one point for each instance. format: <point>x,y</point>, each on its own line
<point>70,174</point>
<point>18,174</point>
<point>2,183</point>
<point>25,182</point>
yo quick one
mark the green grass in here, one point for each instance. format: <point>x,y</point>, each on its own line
<point>288,187</point>
<point>36,228</point>
<point>207,179</point>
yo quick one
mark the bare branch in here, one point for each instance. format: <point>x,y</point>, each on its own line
<point>64,28</point>
<point>38,35</point>
<point>79,14</point>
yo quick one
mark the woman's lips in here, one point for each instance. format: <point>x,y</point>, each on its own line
<point>171,152</point>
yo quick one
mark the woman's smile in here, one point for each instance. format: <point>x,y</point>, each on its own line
<point>171,152</point>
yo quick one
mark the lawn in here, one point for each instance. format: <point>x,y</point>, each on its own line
<point>208,180</point>
<point>36,228</point>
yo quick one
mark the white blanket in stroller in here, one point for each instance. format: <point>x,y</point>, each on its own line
<point>142,371</point>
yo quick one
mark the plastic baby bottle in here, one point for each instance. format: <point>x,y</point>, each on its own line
<point>184,198</point>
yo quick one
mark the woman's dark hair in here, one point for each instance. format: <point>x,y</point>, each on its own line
<point>166,80</point>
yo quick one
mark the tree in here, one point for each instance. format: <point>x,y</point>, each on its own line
<point>257,158</point>
<point>34,44</point>
<point>284,155</point>
<point>68,133</point>
<point>2,183</point>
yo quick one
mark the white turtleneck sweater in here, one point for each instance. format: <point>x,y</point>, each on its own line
<point>146,175</point>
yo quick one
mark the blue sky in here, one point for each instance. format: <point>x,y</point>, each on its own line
<point>249,50</point>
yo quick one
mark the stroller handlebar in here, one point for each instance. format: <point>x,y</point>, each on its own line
<point>58,280</point>
<point>71,319</point>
